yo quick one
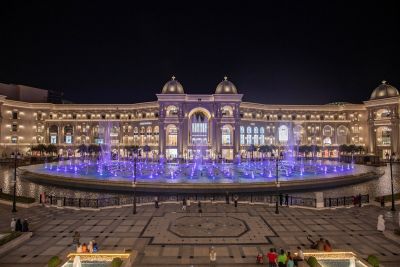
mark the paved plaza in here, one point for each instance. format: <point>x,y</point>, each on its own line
<point>169,236</point>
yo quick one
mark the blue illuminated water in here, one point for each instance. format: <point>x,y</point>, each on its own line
<point>195,172</point>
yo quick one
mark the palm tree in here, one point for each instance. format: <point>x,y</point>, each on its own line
<point>263,149</point>
<point>94,149</point>
<point>82,149</point>
<point>41,148</point>
<point>134,149</point>
<point>315,149</point>
<point>360,149</point>
<point>251,149</point>
<point>146,149</point>
<point>51,149</point>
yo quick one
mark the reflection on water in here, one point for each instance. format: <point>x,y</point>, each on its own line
<point>374,188</point>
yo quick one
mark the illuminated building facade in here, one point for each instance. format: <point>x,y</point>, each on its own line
<point>189,125</point>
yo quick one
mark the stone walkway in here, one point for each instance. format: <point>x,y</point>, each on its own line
<point>168,236</point>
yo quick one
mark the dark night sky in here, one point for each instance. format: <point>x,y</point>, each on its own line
<point>283,52</point>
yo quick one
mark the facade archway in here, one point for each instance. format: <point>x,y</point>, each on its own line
<point>342,135</point>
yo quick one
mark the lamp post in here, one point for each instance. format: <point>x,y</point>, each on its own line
<point>16,156</point>
<point>134,183</point>
<point>277,181</point>
<point>390,158</point>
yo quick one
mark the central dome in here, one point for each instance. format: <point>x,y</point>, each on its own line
<point>384,90</point>
<point>226,87</point>
<point>173,87</point>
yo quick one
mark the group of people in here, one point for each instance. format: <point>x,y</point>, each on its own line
<point>84,248</point>
<point>18,226</point>
<point>321,244</point>
<point>281,259</point>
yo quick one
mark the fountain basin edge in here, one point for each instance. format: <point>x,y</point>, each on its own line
<point>157,187</point>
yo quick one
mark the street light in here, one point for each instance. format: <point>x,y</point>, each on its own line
<point>135,156</point>
<point>277,158</point>
<point>16,156</point>
<point>390,158</point>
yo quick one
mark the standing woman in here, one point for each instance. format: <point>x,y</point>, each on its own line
<point>199,206</point>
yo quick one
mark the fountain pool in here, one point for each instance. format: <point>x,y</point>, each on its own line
<point>195,175</point>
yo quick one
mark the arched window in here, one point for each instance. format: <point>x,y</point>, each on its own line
<point>283,134</point>
<point>68,134</point>
<point>142,136</point>
<point>172,111</point>
<point>241,135</point>
<point>327,131</point>
<point>53,131</point>
<point>172,135</point>
<point>136,135</point>
<point>226,135</point>
<point>327,141</point>
<point>383,136</point>
<point>248,136</point>
<point>342,133</point>
<point>227,111</point>
<point>255,136</point>
<point>148,133</point>
<point>199,128</point>
<point>262,136</point>
<point>382,114</point>
<point>156,134</point>
<point>298,134</point>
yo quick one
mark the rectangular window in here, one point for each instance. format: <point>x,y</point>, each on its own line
<point>14,139</point>
<point>242,139</point>
<point>39,116</point>
<point>14,127</point>
<point>98,141</point>
<point>53,139</point>
<point>68,139</point>
<point>15,115</point>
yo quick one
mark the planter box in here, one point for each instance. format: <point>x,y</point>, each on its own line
<point>15,242</point>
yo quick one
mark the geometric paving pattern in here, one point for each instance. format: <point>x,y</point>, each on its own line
<point>240,233</point>
<point>210,228</point>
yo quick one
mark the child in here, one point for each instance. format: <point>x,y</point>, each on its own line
<point>260,259</point>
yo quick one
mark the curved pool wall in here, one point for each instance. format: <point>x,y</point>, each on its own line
<point>194,177</point>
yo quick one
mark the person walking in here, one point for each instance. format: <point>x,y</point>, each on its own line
<point>227,198</point>
<point>13,223</point>
<point>199,207</point>
<point>272,257</point>
<point>75,238</point>
<point>282,258</point>
<point>18,225</point>
<point>381,223</point>
<point>184,203</point>
<point>299,256</point>
<point>188,204</point>
<point>156,202</point>
<point>235,200</point>
<point>213,257</point>
<point>25,226</point>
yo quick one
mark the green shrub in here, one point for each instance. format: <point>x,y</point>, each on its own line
<point>312,261</point>
<point>9,237</point>
<point>116,262</point>
<point>373,260</point>
<point>54,261</point>
<point>20,199</point>
<point>397,231</point>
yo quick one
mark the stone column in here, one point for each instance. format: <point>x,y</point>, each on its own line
<point>161,141</point>
<point>371,137</point>
<point>236,139</point>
